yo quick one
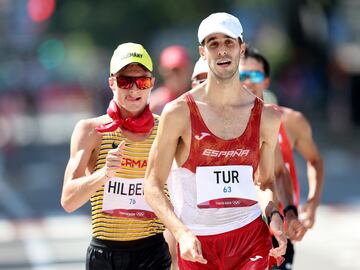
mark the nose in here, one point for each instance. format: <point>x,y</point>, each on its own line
<point>133,89</point>
<point>222,50</point>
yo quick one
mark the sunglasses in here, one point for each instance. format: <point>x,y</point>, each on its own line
<point>141,83</point>
<point>255,76</point>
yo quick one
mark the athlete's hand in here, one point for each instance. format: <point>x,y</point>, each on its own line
<point>277,228</point>
<point>113,160</point>
<point>295,230</point>
<point>307,213</point>
<point>190,248</point>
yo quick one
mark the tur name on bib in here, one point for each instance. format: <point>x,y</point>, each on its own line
<point>225,186</point>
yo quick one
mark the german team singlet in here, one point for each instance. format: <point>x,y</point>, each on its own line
<point>213,191</point>
<point>119,211</point>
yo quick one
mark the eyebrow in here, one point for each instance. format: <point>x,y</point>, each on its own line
<point>213,38</point>
<point>210,39</point>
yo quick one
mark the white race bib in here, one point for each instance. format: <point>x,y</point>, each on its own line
<point>125,198</point>
<point>225,186</point>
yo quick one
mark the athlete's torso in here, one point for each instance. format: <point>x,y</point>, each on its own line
<point>108,227</point>
<point>207,151</point>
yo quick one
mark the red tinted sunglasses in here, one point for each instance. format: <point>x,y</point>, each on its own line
<point>141,83</point>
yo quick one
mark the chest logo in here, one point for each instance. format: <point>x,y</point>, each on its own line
<point>202,136</point>
<point>114,145</point>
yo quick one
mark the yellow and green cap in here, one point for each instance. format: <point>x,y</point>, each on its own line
<point>127,53</point>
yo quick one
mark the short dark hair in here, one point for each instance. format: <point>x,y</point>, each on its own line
<point>252,52</point>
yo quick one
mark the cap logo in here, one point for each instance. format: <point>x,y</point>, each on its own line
<point>132,54</point>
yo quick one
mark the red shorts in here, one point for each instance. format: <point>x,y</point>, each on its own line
<point>246,248</point>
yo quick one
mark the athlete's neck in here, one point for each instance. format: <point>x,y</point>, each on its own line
<point>225,92</point>
<point>136,137</point>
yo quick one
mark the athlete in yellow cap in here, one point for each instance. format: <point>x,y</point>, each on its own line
<point>107,163</point>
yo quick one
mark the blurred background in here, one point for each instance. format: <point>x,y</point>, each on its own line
<point>54,64</point>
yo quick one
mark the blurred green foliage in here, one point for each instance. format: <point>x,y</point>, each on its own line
<point>108,21</point>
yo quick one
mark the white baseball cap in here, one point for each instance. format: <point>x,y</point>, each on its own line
<point>220,22</point>
<point>201,66</point>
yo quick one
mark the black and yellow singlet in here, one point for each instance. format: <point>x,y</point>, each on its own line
<point>134,162</point>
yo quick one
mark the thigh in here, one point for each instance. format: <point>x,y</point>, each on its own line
<point>258,262</point>
<point>97,259</point>
<point>253,249</point>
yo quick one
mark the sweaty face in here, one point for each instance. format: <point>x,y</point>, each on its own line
<point>249,65</point>
<point>132,100</point>
<point>222,53</point>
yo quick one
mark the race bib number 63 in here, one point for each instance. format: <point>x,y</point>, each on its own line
<point>225,186</point>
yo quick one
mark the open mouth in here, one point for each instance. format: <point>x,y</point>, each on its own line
<point>223,63</point>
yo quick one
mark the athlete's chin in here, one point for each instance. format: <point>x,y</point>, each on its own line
<point>135,107</point>
<point>224,77</point>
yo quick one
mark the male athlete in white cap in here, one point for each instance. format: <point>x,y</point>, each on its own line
<point>223,141</point>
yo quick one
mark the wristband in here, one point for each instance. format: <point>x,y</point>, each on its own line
<point>289,208</point>
<point>271,214</point>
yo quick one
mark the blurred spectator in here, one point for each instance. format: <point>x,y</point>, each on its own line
<point>175,68</point>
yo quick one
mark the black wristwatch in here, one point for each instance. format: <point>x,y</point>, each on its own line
<point>289,208</point>
<point>271,214</point>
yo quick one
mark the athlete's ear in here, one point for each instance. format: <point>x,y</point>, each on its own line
<point>242,48</point>
<point>202,52</point>
<point>266,83</point>
<point>112,83</point>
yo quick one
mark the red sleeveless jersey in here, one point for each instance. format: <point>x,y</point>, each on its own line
<point>209,150</point>
<point>198,198</point>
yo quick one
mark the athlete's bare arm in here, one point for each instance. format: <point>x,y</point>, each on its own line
<point>295,230</point>
<point>269,128</point>
<point>283,184</point>
<point>161,156</point>
<point>303,142</point>
<point>174,123</point>
<point>280,186</point>
<point>80,183</point>
<point>270,123</point>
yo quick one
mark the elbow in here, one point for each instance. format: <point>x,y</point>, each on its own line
<point>150,191</point>
<point>317,164</point>
<point>279,171</point>
<point>321,164</point>
<point>147,191</point>
<point>266,185</point>
<point>66,205</point>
